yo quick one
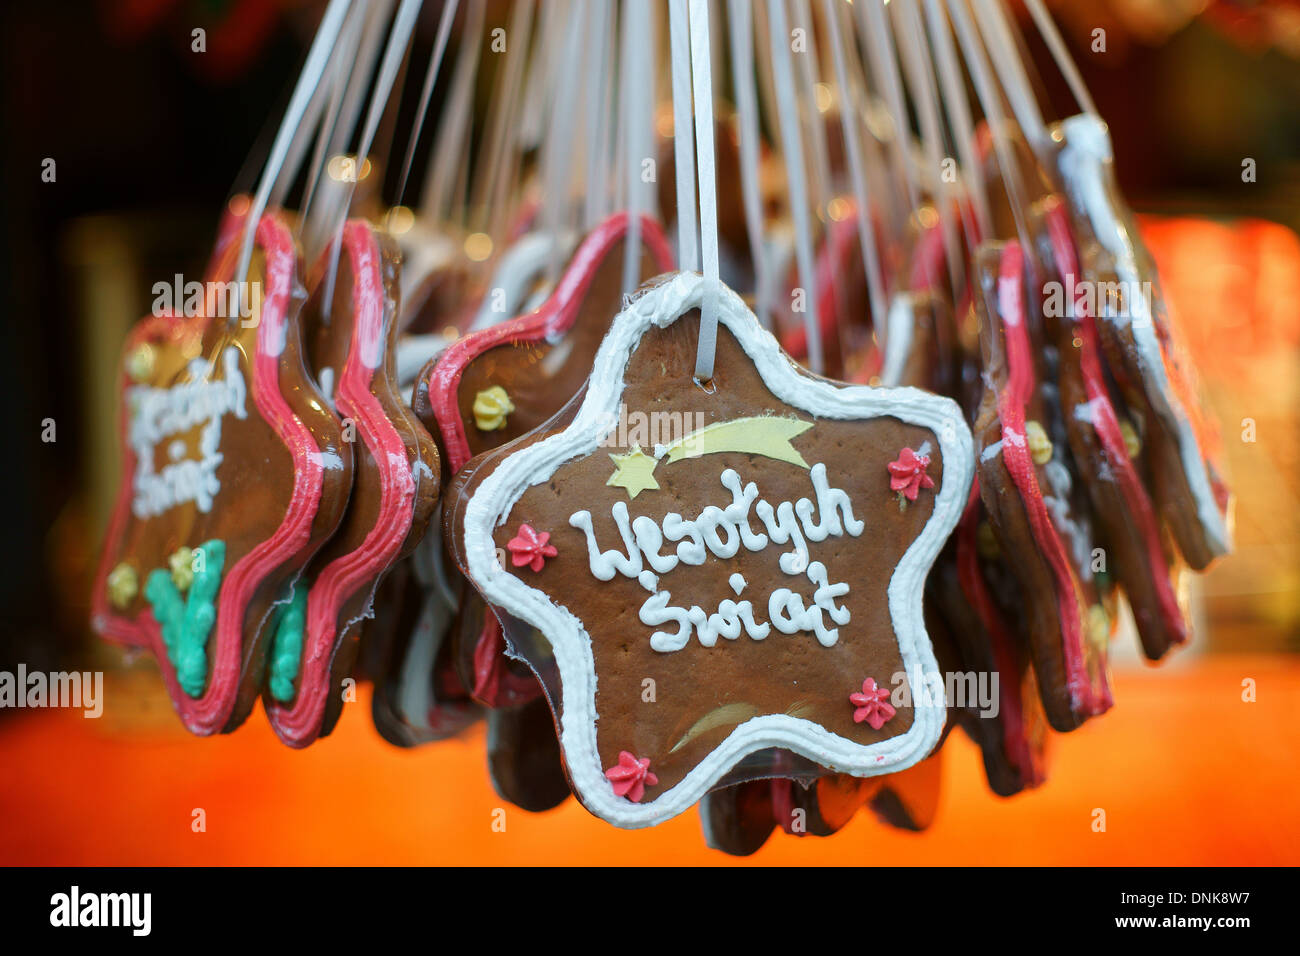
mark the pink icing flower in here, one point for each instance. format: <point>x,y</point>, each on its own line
<point>872,705</point>
<point>530,548</point>
<point>631,777</point>
<point>908,474</point>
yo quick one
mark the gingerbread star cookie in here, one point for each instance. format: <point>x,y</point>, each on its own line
<point>235,473</point>
<point>499,383</point>
<point>439,637</point>
<point>1140,345</point>
<point>394,488</point>
<point>971,588</point>
<point>1110,458</point>
<point>1027,490</point>
<point>732,584</point>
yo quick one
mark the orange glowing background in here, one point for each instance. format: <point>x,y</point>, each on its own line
<point>1186,772</point>
<point>1185,769</point>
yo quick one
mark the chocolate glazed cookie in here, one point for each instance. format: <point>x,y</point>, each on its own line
<point>754,445</point>
<point>1107,452</point>
<point>970,592</point>
<point>488,388</point>
<point>738,819</point>
<point>499,384</point>
<point>1027,506</point>
<point>1139,344</point>
<point>968,625</point>
<point>235,474</point>
<point>352,345</point>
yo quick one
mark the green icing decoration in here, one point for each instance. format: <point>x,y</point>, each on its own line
<point>286,648</point>
<point>187,623</point>
<point>168,608</point>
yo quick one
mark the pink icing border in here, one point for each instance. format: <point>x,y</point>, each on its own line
<point>1085,698</point>
<point>928,262</point>
<point>209,713</point>
<point>299,724</point>
<point>228,230</point>
<point>1106,424</point>
<point>1020,754</point>
<point>555,316</point>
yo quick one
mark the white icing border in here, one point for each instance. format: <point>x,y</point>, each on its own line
<point>1085,157</point>
<point>491,503</point>
<point>900,323</point>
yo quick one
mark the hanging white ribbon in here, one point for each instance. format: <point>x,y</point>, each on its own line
<point>688,250</point>
<point>498,186</point>
<point>1011,71</point>
<point>304,92</point>
<point>884,66</point>
<point>740,14</point>
<point>597,67</point>
<point>701,70</point>
<point>637,127</point>
<point>857,169</point>
<point>958,113</point>
<point>447,161</point>
<point>558,209</point>
<point>796,177</point>
<point>398,39</point>
<point>986,91</point>
<point>1052,37</point>
<point>347,52</point>
<point>919,75</point>
<point>426,93</point>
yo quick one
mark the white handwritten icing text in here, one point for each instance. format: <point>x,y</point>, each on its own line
<point>723,532</point>
<point>160,413</point>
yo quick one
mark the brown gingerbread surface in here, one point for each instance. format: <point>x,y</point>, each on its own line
<point>702,693</point>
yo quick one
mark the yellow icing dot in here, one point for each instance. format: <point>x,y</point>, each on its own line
<point>986,543</point>
<point>1132,444</point>
<point>139,363</point>
<point>1098,627</point>
<point>181,561</point>
<point>123,585</point>
<point>1040,446</point>
<point>491,406</point>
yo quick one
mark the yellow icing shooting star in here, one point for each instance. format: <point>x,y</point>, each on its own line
<point>766,435</point>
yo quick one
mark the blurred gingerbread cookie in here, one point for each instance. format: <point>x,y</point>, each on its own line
<point>235,473</point>
<point>351,339</point>
<point>1026,489</point>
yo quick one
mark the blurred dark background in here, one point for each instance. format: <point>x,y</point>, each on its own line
<point>149,138</point>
